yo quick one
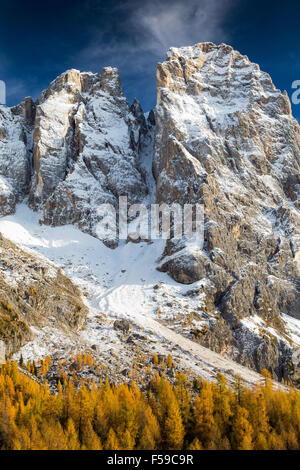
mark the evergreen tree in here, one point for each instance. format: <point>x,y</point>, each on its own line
<point>204,424</point>
<point>242,430</point>
<point>112,442</point>
<point>173,427</point>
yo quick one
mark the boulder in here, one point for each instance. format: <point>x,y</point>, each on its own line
<point>122,325</point>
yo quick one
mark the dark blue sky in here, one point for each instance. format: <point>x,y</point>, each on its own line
<point>39,40</point>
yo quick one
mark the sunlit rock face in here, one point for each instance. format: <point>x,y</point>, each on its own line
<point>225,137</point>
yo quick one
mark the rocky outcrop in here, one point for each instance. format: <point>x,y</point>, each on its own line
<point>122,325</point>
<point>53,135</point>
<point>34,293</point>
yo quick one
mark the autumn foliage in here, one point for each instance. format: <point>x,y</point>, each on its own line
<point>194,416</point>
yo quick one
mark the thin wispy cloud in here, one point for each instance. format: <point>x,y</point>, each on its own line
<point>16,87</point>
<point>151,27</point>
<point>132,35</point>
<point>146,30</point>
<point>165,24</point>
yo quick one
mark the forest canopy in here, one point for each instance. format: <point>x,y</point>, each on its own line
<point>183,415</point>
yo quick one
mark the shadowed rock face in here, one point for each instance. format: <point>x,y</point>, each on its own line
<point>15,153</point>
<point>225,138</point>
<point>86,148</point>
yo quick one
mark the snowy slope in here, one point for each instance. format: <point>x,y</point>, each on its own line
<point>121,283</point>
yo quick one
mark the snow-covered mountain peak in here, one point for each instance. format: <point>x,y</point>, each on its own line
<point>111,81</point>
<point>87,148</point>
<point>222,79</point>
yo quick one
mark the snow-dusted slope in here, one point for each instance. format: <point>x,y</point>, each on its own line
<point>122,283</point>
<point>34,293</point>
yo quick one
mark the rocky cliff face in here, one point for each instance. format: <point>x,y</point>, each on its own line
<point>15,153</point>
<point>224,137</point>
<point>86,148</point>
<point>79,146</point>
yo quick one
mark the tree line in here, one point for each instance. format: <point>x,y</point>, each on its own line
<point>162,415</point>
